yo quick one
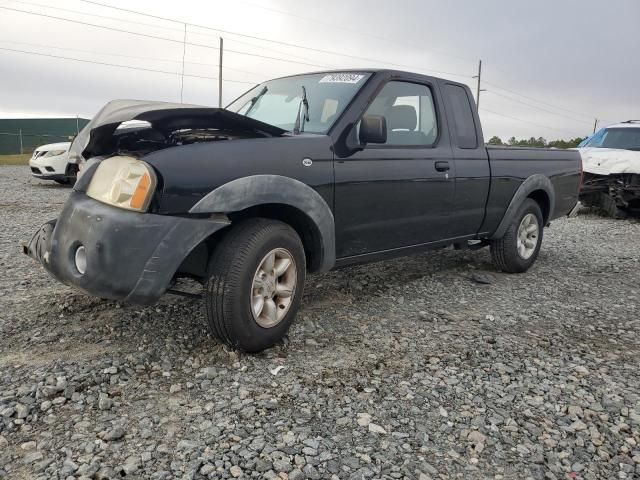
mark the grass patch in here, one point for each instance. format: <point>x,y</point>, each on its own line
<point>15,159</point>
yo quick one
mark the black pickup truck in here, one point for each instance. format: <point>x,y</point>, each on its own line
<point>300,174</point>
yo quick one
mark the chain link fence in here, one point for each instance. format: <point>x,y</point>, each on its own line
<point>24,143</point>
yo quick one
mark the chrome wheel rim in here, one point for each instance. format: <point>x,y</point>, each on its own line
<point>528,233</point>
<point>273,287</point>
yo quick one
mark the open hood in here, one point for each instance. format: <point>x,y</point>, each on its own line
<point>96,138</point>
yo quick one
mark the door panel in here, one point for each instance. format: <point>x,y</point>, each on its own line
<point>473,173</point>
<point>390,198</point>
<point>472,190</point>
<point>399,193</point>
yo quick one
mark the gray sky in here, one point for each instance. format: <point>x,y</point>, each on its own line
<point>561,63</point>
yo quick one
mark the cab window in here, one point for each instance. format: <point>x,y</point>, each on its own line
<point>409,111</point>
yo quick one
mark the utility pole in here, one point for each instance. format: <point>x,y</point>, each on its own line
<point>21,146</point>
<point>479,77</point>
<point>220,74</point>
<point>184,52</point>
<point>595,125</point>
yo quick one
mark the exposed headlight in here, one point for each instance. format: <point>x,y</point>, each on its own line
<point>54,153</point>
<point>123,182</point>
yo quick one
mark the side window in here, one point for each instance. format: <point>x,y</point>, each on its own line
<point>464,125</point>
<point>410,113</point>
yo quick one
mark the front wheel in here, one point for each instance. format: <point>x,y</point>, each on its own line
<point>255,284</point>
<point>518,249</point>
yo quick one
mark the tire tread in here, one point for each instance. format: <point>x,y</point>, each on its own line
<point>227,266</point>
<point>504,250</point>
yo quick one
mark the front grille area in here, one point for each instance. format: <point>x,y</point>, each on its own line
<point>49,169</point>
<point>36,170</point>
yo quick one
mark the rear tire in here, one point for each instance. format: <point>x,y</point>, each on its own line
<point>518,249</point>
<point>255,284</point>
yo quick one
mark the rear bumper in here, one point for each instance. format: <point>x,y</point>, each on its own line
<point>130,256</point>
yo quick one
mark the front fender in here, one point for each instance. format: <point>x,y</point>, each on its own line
<point>530,185</point>
<point>257,190</point>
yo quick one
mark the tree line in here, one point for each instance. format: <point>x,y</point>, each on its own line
<point>536,142</point>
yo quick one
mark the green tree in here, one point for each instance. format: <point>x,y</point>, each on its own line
<point>572,143</point>
<point>542,142</point>
<point>495,140</point>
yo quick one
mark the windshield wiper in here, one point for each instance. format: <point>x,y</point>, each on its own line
<point>255,99</point>
<point>297,128</point>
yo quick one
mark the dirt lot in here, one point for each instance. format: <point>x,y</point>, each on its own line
<point>402,369</point>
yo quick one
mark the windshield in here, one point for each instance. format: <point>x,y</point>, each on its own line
<point>279,102</point>
<point>626,138</point>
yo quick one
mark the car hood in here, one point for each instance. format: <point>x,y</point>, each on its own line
<point>53,146</point>
<point>95,138</point>
<point>609,161</point>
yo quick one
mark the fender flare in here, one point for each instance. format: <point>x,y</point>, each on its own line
<point>531,184</point>
<point>255,190</point>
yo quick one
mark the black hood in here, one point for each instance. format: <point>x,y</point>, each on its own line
<point>95,138</point>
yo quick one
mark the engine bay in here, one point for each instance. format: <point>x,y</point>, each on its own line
<point>140,141</point>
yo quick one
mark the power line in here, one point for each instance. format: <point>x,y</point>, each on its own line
<point>226,32</point>
<point>582,114</point>
<point>93,2</point>
<point>357,32</point>
<point>79,12</point>
<point>253,54</point>
<point>156,37</point>
<point>320,50</point>
<point>484,110</point>
<point>130,67</point>
<point>135,57</point>
<point>184,54</point>
<point>536,107</point>
<point>243,42</point>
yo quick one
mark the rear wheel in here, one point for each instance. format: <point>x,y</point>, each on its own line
<point>518,249</point>
<point>255,284</point>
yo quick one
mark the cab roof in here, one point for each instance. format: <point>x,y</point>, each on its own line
<point>625,124</point>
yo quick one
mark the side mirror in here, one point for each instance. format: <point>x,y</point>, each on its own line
<point>373,129</point>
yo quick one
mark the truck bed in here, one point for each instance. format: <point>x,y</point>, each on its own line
<point>510,166</point>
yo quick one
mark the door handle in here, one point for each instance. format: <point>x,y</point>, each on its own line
<point>442,166</point>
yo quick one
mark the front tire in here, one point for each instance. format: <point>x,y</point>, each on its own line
<point>518,249</point>
<point>255,284</point>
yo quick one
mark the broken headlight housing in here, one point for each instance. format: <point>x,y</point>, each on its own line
<point>123,182</point>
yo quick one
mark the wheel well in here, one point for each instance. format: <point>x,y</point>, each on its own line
<point>296,219</point>
<point>195,265</point>
<point>542,198</point>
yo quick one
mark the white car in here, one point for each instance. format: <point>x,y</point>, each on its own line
<point>49,162</point>
<point>611,165</point>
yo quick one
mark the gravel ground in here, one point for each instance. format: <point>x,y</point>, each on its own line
<point>401,369</point>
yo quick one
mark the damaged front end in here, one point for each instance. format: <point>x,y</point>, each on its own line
<point>110,240</point>
<point>137,128</point>
<point>617,194</point>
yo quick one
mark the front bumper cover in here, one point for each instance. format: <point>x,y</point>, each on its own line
<point>130,256</point>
